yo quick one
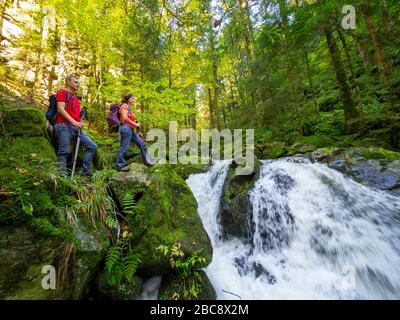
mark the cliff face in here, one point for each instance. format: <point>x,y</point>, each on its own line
<point>49,220</point>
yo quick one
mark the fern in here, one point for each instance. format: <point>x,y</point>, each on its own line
<point>112,222</point>
<point>121,262</point>
<point>131,262</point>
<point>128,205</point>
<point>113,256</point>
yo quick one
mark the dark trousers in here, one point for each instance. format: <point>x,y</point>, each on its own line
<point>65,134</point>
<point>129,136</point>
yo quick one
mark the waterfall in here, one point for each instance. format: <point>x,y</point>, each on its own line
<point>317,235</point>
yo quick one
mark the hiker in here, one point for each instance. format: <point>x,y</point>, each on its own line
<point>128,133</point>
<point>68,124</point>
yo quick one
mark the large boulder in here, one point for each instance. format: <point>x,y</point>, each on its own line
<point>372,166</point>
<point>34,204</point>
<point>235,205</point>
<point>22,258</point>
<point>24,253</point>
<point>25,122</point>
<point>165,212</point>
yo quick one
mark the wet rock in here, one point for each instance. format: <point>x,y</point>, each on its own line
<point>245,267</point>
<point>235,204</point>
<point>374,167</point>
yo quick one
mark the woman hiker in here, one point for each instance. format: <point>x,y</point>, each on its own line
<point>128,134</point>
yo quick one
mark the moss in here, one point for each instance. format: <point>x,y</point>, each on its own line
<point>380,153</point>
<point>185,170</point>
<point>26,165</point>
<point>24,122</point>
<point>328,150</point>
<point>166,213</point>
<point>273,152</point>
<point>45,227</point>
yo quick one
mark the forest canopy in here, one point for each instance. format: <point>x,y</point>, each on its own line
<point>287,68</point>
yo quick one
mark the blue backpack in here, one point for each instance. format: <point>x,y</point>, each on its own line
<point>51,113</point>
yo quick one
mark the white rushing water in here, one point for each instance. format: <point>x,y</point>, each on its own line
<point>316,235</point>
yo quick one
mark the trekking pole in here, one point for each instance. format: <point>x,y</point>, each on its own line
<point>83,116</point>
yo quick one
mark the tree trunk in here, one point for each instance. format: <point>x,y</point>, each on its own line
<point>388,22</point>
<point>378,51</point>
<point>286,36</point>
<point>353,76</point>
<point>383,65</point>
<point>363,52</point>
<point>350,112</point>
<point>211,108</point>
<point>4,5</point>
<point>310,81</point>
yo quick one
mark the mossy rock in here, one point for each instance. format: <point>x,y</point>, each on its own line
<point>172,286</point>
<point>272,150</point>
<point>27,122</point>
<point>166,213</point>
<point>235,204</point>
<point>377,153</point>
<point>310,144</point>
<point>102,290</point>
<point>22,257</point>
<point>372,166</point>
<point>28,177</point>
<point>90,251</point>
<point>191,165</point>
<point>33,197</point>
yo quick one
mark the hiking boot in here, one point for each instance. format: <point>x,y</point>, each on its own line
<point>124,169</point>
<point>87,174</point>
<point>148,164</point>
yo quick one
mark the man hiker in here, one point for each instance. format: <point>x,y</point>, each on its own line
<point>128,133</point>
<point>68,124</point>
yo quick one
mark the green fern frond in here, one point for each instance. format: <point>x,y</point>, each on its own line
<point>113,257</point>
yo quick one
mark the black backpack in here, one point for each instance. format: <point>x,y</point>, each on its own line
<point>51,113</point>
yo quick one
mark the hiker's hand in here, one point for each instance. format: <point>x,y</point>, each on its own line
<point>78,125</point>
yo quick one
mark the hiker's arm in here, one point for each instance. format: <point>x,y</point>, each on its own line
<point>124,114</point>
<point>61,111</point>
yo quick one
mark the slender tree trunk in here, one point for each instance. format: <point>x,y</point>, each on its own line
<point>193,121</point>
<point>363,52</point>
<point>4,5</point>
<point>211,108</point>
<point>388,21</point>
<point>54,61</point>
<point>383,65</point>
<point>286,36</point>
<point>378,51</point>
<point>350,112</point>
<point>37,83</point>
<point>310,81</point>
<point>346,49</point>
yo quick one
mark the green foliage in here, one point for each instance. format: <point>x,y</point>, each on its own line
<point>94,200</point>
<point>121,262</point>
<point>190,286</point>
